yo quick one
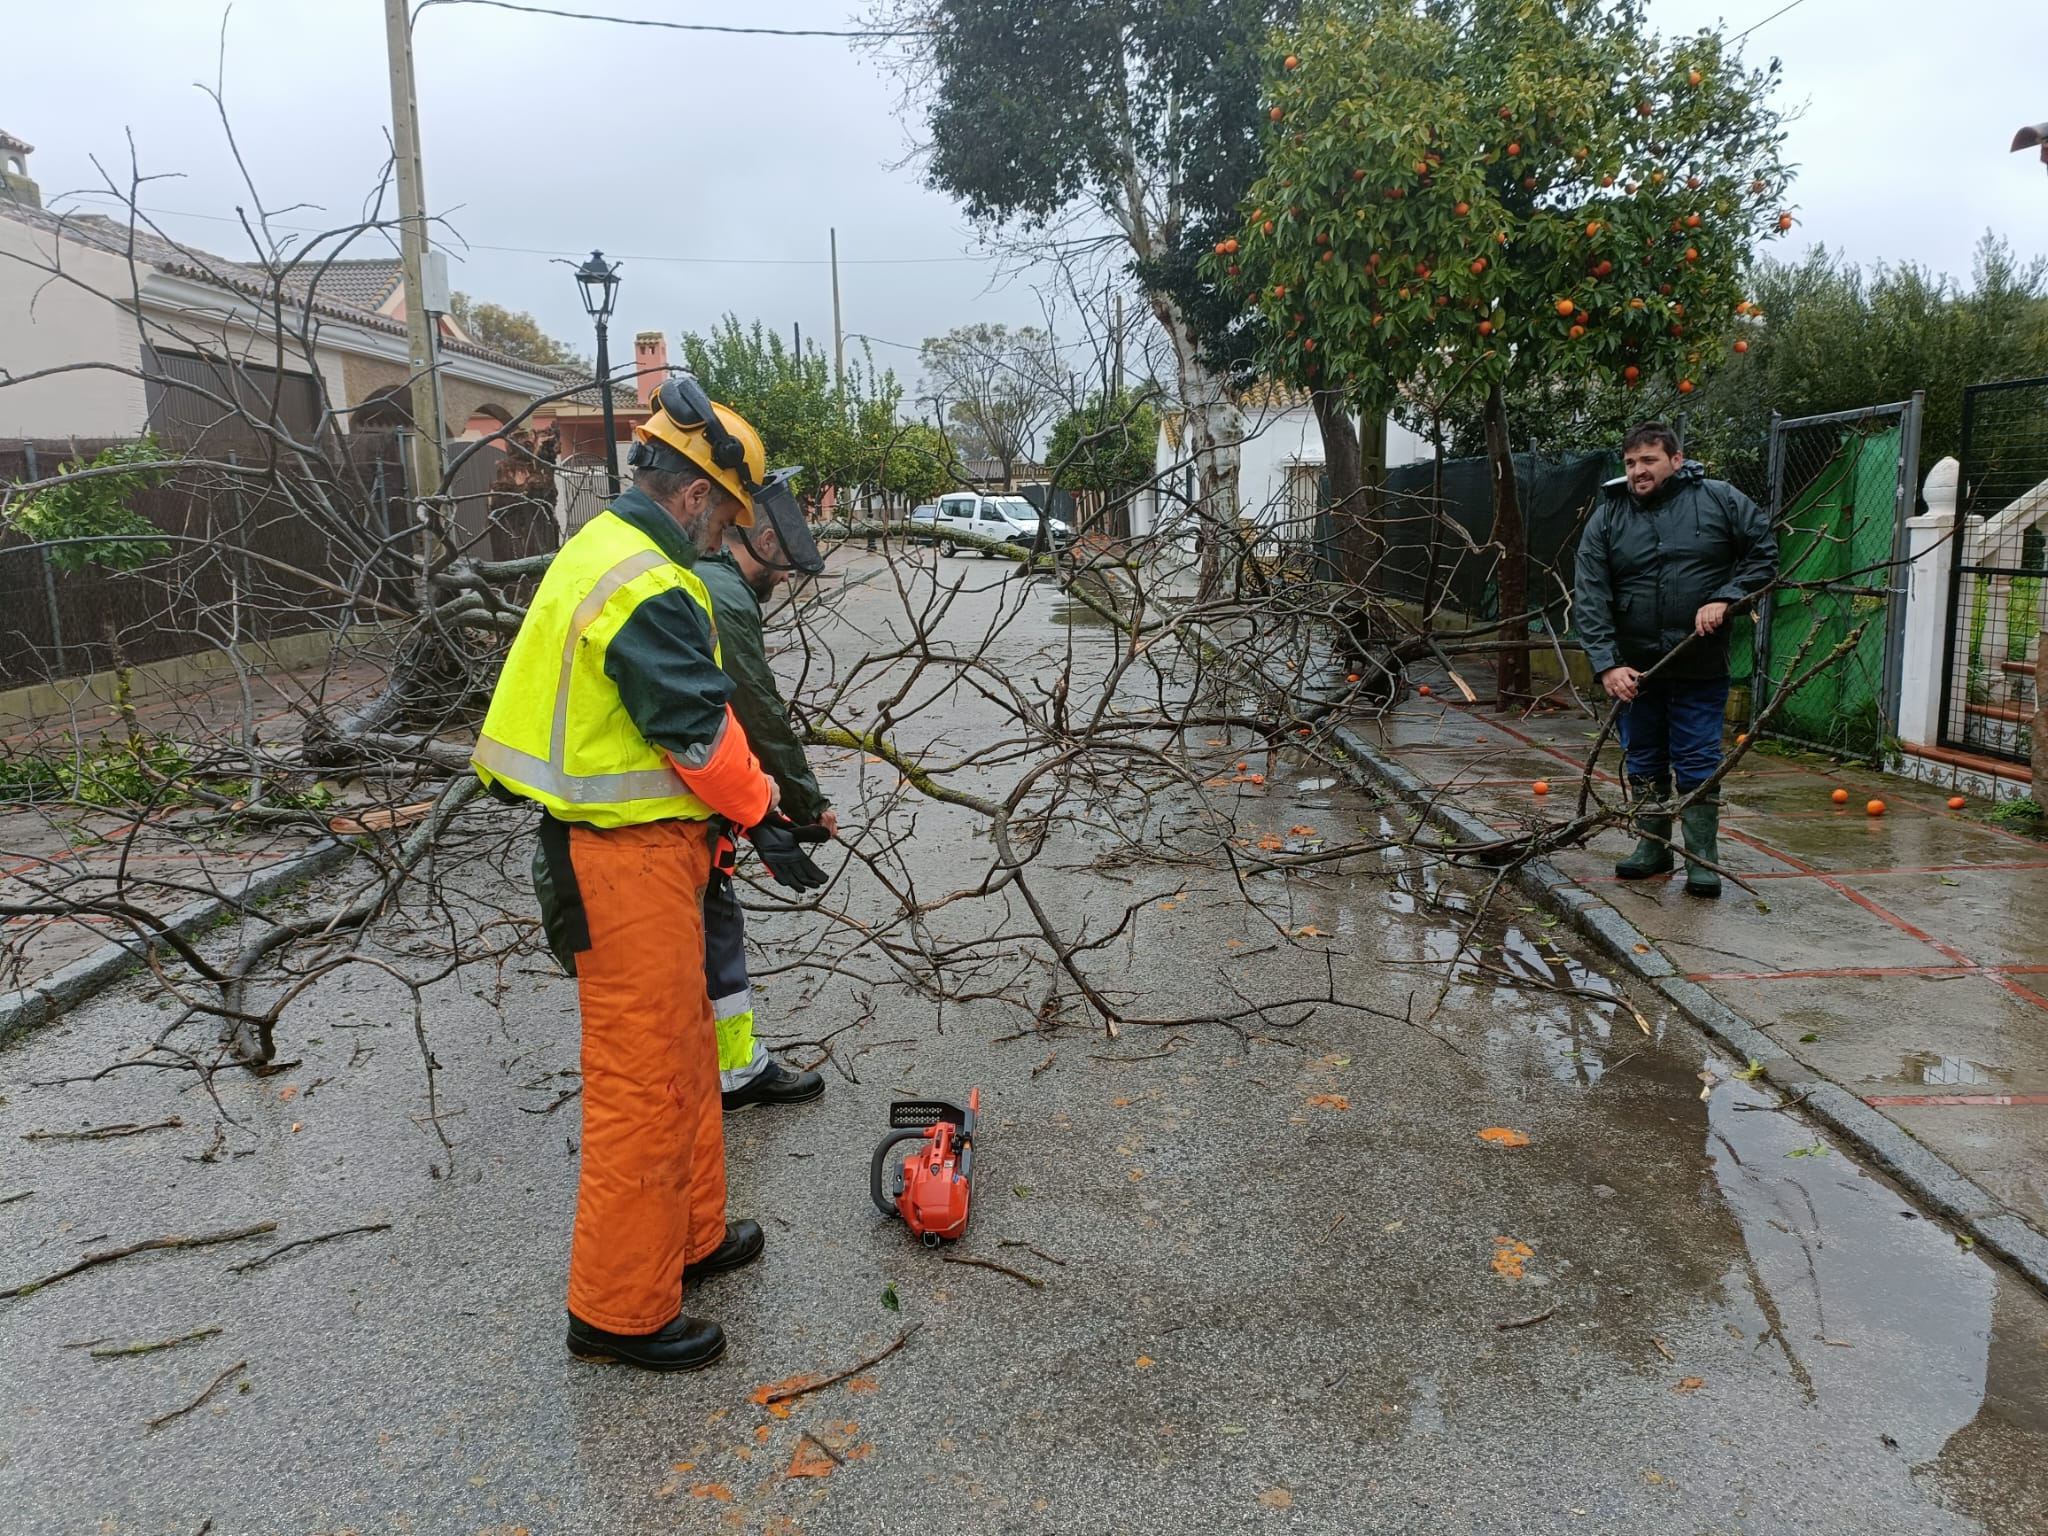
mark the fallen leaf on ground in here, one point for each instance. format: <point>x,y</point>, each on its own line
<point>1690,1384</point>
<point>1506,1137</point>
<point>1277,1498</point>
<point>760,1395</point>
<point>1136,1174</point>
<point>1309,931</point>
<point>1328,1101</point>
<point>1144,1362</point>
<point>288,1093</point>
<point>862,1384</point>
<point>1302,831</point>
<point>1642,949</point>
<point>1509,1254</point>
<point>810,1461</point>
<point>1121,1103</point>
<point>716,1491</point>
<point>1269,842</point>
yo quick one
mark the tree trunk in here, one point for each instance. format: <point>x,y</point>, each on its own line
<point>1210,435</point>
<point>1512,671</point>
<point>1357,536</point>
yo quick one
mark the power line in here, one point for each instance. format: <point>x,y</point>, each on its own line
<point>1738,37</point>
<point>680,26</point>
<point>530,250</point>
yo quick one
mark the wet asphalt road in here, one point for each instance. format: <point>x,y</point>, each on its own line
<point>1275,1265</point>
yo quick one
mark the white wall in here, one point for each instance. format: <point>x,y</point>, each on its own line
<point>49,321</point>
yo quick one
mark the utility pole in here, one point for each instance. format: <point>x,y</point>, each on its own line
<point>420,323</point>
<point>838,336</point>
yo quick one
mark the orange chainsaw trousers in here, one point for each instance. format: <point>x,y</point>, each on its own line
<point>652,1193</point>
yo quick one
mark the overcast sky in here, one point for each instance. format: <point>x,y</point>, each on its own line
<point>714,166</point>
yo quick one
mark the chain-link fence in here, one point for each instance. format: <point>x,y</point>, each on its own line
<point>1996,594</point>
<point>1840,490</point>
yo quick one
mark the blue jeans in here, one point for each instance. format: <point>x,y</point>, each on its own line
<point>1673,728</point>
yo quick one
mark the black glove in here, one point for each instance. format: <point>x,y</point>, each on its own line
<point>776,838</point>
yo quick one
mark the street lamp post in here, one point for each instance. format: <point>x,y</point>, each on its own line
<point>600,285</point>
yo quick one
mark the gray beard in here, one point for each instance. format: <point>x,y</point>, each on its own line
<point>694,528</point>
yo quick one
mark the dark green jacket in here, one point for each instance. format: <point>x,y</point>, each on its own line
<point>1646,568</point>
<point>661,658</point>
<point>756,699</point>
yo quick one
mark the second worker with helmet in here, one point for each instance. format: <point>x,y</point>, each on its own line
<point>612,716</point>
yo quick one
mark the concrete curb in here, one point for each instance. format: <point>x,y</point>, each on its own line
<point>48,999</point>
<point>1940,1187</point>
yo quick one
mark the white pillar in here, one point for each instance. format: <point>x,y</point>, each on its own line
<point>1930,553</point>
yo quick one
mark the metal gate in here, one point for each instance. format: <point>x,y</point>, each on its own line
<point>1841,489</point>
<point>1989,690</point>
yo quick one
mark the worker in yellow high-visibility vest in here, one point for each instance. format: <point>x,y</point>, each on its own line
<point>611,714</point>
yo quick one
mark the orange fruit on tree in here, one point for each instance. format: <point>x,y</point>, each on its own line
<point>1693,182</point>
<point>1267,227</point>
<point>1685,386</point>
<point>1757,185</point>
<point>1566,306</point>
<point>1603,269</point>
<point>1514,149</point>
<point>1956,802</point>
<point>1290,62</point>
<point>1279,290</point>
<point>1873,807</point>
<point>1592,229</point>
<point>1540,787</point>
<point>1230,247</point>
<point>1606,181</point>
<point>1694,78</point>
<point>1692,221</point>
<point>1479,266</point>
<point>1462,209</point>
<point>1840,797</point>
<point>1742,346</point>
<point>1643,109</point>
<point>1577,331</point>
<point>1529,182</point>
<point>1276,114</point>
<point>1784,221</point>
<point>1631,373</point>
<point>1692,253</point>
<point>1486,327</point>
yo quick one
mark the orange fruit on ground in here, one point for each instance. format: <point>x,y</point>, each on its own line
<point>1956,802</point>
<point>1350,677</point>
<point>1423,690</point>
<point>1258,778</point>
<point>1840,796</point>
<point>1540,787</point>
<point>1739,740</point>
<point>1873,808</point>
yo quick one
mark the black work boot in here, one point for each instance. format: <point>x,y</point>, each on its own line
<point>774,1084</point>
<point>742,1245</point>
<point>1702,841</point>
<point>686,1344</point>
<point>1653,835</point>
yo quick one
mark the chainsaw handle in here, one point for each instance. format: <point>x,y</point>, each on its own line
<point>882,1203</point>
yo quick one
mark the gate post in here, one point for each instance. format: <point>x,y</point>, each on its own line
<point>1924,653</point>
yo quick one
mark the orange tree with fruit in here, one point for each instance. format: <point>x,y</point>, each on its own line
<point>1475,190</point>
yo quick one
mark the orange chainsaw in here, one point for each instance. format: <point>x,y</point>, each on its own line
<point>929,1189</point>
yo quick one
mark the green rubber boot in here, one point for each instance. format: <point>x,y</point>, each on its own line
<point>1653,830</point>
<point>1702,841</point>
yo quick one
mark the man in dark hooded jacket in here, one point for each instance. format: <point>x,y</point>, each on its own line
<point>1666,559</point>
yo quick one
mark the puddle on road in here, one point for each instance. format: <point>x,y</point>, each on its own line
<point>1938,1071</point>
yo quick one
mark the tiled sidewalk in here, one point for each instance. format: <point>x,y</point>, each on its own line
<point>1904,957</point>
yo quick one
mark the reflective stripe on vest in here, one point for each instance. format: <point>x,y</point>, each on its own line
<point>647,791</point>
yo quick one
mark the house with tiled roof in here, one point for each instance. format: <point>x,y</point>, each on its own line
<point>1280,481</point>
<point>110,329</point>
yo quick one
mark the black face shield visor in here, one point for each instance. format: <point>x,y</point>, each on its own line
<point>776,510</point>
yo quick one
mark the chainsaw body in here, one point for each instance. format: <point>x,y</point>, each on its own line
<point>929,1188</point>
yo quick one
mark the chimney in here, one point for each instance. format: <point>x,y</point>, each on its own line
<point>15,182</point>
<point>650,363</point>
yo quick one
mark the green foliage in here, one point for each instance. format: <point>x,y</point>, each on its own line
<point>96,507</point>
<point>1493,189</point>
<point>513,332</point>
<point>915,462</point>
<point>145,771</point>
<point>1107,445</point>
<point>2023,812</point>
<point>1832,337</point>
<point>837,433</point>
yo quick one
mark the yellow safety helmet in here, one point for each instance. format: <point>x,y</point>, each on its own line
<point>715,438</point>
